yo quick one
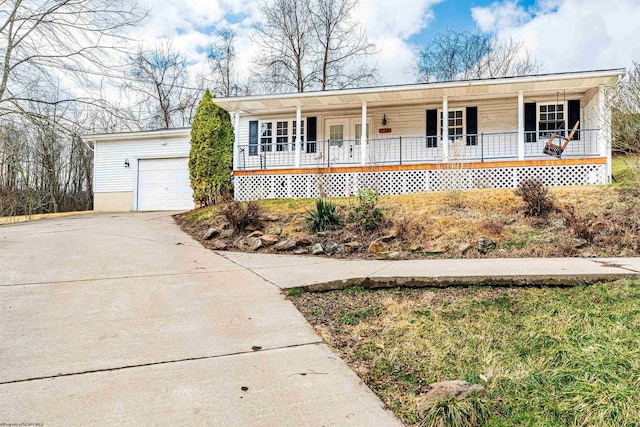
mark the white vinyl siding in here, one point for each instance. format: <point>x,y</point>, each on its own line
<point>110,173</point>
<point>496,115</point>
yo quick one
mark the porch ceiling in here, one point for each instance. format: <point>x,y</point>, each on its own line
<point>548,84</point>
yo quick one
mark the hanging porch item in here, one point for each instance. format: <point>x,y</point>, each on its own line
<point>556,150</point>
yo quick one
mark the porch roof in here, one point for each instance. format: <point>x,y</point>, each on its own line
<point>576,82</point>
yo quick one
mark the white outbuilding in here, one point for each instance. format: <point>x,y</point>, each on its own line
<point>142,171</point>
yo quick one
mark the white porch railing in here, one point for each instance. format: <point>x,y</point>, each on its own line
<point>400,150</point>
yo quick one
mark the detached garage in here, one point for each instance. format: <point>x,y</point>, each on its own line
<point>142,171</point>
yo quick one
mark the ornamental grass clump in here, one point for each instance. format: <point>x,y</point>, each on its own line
<point>324,217</point>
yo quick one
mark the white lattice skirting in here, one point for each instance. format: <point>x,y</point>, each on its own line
<point>344,184</point>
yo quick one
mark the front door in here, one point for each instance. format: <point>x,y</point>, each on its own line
<point>344,138</point>
<point>341,143</point>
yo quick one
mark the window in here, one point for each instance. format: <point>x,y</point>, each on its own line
<point>295,134</point>
<point>266,136</point>
<point>551,119</point>
<point>359,132</point>
<point>336,135</point>
<point>281,133</point>
<point>282,136</point>
<point>456,124</point>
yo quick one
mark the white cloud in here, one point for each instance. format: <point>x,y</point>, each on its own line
<point>398,18</point>
<point>395,60</point>
<point>389,24</point>
<point>188,23</point>
<point>571,34</point>
<point>499,15</point>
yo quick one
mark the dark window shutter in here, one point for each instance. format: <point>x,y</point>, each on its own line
<point>472,126</point>
<point>574,116</point>
<point>432,128</point>
<point>253,138</point>
<point>530,122</point>
<point>311,134</point>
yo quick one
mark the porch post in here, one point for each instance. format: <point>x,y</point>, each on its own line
<point>363,135</point>
<point>298,139</point>
<point>445,129</point>
<point>521,125</point>
<point>236,140</point>
<point>605,130</point>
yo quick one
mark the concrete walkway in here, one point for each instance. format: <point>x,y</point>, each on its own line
<point>320,273</point>
<point>123,319</point>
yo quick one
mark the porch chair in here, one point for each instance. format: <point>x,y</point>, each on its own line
<point>556,150</point>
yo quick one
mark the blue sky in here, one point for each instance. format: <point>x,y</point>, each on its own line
<point>564,35</point>
<point>455,14</point>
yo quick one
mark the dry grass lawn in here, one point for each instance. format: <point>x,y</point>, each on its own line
<point>587,221</point>
<point>547,356</point>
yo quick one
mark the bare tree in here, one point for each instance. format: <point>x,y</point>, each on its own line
<point>625,113</point>
<point>160,80</point>
<point>341,45</point>
<point>454,55</point>
<point>57,39</point>
<point>222,61</point>
<point>44,164</point>
<point>52,52</point>
<point>312,44</point>
<point>285,61</point>
<point>507,57</point>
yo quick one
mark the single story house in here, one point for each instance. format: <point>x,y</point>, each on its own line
<point>488,133</point>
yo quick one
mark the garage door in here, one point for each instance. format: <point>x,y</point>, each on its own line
<point>163,185</point>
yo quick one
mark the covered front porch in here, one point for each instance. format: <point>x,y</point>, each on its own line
<point>407,150</point>
<point>455,134</point>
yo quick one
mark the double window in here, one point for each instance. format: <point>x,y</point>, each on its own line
<point>283,137</point>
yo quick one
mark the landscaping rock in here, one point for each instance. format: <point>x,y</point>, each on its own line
<point>389,237</point>
<point>447,390</point>
<point>330,247</point>
<point>249,244</point>
<point>388,255</point>
<point>323,234</point>
<point>286,245</point>
<point>226,234</point>
<point>304,240</point>
<point>486,245</point>
<point>352,245</point>
<point>317,249</point>
<point>269,239</point>
<point>377,247</point>
<point>338,249</point>
<point>580,243</point>
<point>300,251</point>
<point>211,233</point>
<point>465,247</point>
<point>220,244</point>
<point>276,230</point>
<point>434,250</point>
<point>256,233</point>
<point>558,222</point>
<point>251,227</point>
<point>394,255</point>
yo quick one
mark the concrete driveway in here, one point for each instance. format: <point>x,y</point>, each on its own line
<point>123,319</point>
